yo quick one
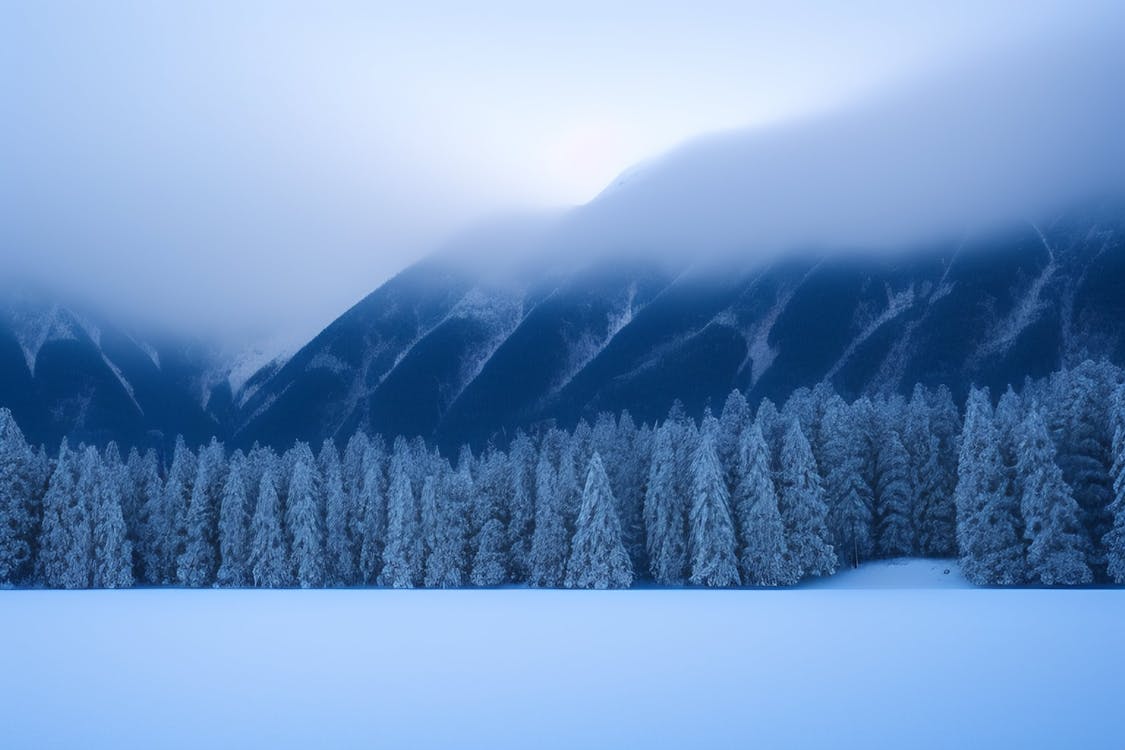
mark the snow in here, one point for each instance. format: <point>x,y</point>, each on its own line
<point>895,654</point>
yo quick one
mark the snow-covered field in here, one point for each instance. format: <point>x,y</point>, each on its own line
<point>892,655</point>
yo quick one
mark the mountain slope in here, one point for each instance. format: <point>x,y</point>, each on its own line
<point>440,352</point>
<point>65,372</point>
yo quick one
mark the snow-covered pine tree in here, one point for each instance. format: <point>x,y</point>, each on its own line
<point>521,508</point>
<point>63,559</point>
<point>712,539</point>
<point>1079,423</point>
<point>664,511</point>
<point>402,557</point>
<point>354,471</point>
<point>990,548</point>
<point>763,557</point>
<point>733,421</point>
<point>173,520</point>
<point>1055,554</point>
<point>269,559</point>
<point>934,520</point>
<point>895,532</point>
<point>626,463</point>
<point>803,510</point>
<point>850,521</point>
<point>1114,540</point>
<point>598,559</point>
<point>550,544</point>
<point>197,564</point>
<point>373,513</point>
<point>447,503</point>
<point>112,553</point>
<point>490,501</point>
<point>773,429</point>
<point>144,478</point>
<point>16,505</point>
<point>234,520</point>
<point>340,563</point>
<point>304,522</point>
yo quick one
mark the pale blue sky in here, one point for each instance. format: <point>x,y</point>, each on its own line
<point>265,164</point>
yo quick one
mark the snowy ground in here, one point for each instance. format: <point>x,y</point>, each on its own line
<point>891,655</point>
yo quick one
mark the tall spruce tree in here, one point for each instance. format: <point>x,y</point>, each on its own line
<point>340,562</point>
<point>1114,539</point>
<point>1080,425</point>
<point>17,524</point>
<point>550,544</point>
<point>269,558</point>
<point>234,521</point>
<point>491,498</point>
<point>712,545</point>
<point>521,507</point>
<point>803,510</point>
<point>850,519</point>
<point>112,553</point>
<point>893,497</point>
<point>1052,531</point>
<point>934,521</point>
<point>304,522</point>
<point>990,547</point>
<point>763,556</point>
<point>598,559</point>
<point>373,512</point>
<point>198,563</point>
<point>403,556</point>
<point>173,533</point>
<point>664,511</point>
<point>64,560</point>
<point>447,558</point>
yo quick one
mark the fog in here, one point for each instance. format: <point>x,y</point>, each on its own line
<point>1020,135</point>
<point>254,168</point>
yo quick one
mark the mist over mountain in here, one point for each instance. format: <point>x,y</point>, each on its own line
<point>965,229</point>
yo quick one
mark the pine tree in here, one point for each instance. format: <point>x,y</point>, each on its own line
<point>848,496</point>
<point>521,508</point>
<point>934,520</point>
<point>1080,425</point>
<point>64,543</point>
<point>893,507</point>
<point>112,551</point>
<point>16,503</point>
<point>269,562</point>
<point>144,476</point>
<point>598,559</point>
<point>490,499</point>
<point>764,557</point>
<point>550,542</point>
<point>304,522</point>
<point>733,421</point>
<point>665,517</point>
<point>1053,533</point>
<point>234,517</point>
<point>712,540</point>
<point>803,510</point>
<point>172,535</point>
<point>446,561</point>
<point>402,557</point>
<point>1114,540</point>
<point>197,564</point>
<point>340,564</point>
<point>990,548</point>
<point>373,512</point>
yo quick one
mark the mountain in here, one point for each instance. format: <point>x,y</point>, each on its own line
<point>452,354</point>
<point>70,372</point>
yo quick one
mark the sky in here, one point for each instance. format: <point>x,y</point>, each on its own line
<point>252,169</point>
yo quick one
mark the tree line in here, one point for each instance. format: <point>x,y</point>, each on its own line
<point>1028,488</point>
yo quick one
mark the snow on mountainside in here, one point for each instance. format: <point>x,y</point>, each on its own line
<point>71,372</point>
<point>463,361</point>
